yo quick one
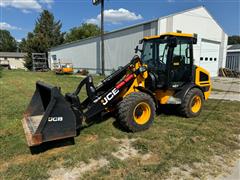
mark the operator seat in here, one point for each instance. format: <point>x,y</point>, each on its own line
<point>178,71</point>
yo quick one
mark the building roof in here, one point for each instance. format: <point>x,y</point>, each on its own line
<point>12,54</point>
<point>139,24</point>
<point>234,47</point>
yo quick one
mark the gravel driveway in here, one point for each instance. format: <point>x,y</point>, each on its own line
<point>226,88</point>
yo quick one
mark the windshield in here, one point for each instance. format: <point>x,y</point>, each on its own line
<point>154,54</point>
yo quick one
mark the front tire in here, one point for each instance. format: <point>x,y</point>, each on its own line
<point>136,112</point>
<point>192,103</point>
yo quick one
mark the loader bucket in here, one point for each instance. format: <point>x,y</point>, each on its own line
<point>48,116</point>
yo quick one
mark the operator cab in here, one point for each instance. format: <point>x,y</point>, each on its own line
<point>169,59</point>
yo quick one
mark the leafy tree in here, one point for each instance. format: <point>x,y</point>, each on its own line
<point>233,40</point>
<point>84,31</point>
<point>46,34</point>
<point>7,42</point>
<point>23,45</point>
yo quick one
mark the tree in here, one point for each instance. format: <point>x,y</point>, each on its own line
<point>7,42</point>
<point>84,31</point>
<point>233,40</point>
<point>46,34</point>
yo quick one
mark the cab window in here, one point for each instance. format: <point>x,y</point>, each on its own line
<point>182,53</point>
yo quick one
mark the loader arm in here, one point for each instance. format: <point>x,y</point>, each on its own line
<point>111,90</point>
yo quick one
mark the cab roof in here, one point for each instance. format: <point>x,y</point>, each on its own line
<point>169,34</point>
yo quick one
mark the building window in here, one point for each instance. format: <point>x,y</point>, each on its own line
<point>206,59</point>
<point>210,59</point>
<point>54,57</point>
<point>201,58</point>
<point>215,59</point>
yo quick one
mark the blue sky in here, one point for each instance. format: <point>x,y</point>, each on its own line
<point>19,16</point>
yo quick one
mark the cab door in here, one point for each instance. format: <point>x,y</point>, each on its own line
<point>181,63</point>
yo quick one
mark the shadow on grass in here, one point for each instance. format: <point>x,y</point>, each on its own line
<point>51,145</point>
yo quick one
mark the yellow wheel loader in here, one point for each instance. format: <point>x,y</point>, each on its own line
<point>164,74</point>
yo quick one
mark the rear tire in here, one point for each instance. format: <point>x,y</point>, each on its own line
<point>192,103</point>
<point>136,112</point>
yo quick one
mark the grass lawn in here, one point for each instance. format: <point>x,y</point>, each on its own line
<point>199,147</point>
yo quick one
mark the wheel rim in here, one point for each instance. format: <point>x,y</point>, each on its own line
<point>142,113</point>
<point>196,104</point>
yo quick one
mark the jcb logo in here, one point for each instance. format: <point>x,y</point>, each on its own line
<point>110,96</point>
<point>55,119</point>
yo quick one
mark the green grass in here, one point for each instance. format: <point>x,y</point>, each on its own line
<point>1,71</point>
<point>173,140</point>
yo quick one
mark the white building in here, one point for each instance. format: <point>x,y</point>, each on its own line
<point>209,52</point>
<point>233,57</point>
<point>13,60</point>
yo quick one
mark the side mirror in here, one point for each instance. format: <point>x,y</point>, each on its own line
<point>136,49</point>
<point>140,41</point>
<point>172,42</point>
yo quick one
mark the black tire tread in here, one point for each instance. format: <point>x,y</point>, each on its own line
<point>183,109</point>
<point>126,104</point>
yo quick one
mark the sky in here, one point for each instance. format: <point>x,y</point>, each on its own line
<point>19,16</point>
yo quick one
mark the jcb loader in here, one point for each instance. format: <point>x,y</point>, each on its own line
<point>164,74</point>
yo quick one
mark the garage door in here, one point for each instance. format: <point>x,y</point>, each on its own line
<point>209,57</point>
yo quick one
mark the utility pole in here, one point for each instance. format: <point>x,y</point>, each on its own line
<point>96,2</point>
<point>102,37</point>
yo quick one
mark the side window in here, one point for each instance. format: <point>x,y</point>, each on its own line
<point>148,53</point>
<point>163,49</point>
<point>54,57</point>
<point>182,51</point>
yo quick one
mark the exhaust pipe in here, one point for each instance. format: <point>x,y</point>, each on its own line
<point>48,117</point>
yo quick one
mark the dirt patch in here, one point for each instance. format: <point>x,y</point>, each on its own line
<point>219,166</point>
<point>125,149</point>
<point>91,138</point>
<point>77,172</point>
<point>235,173</point>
